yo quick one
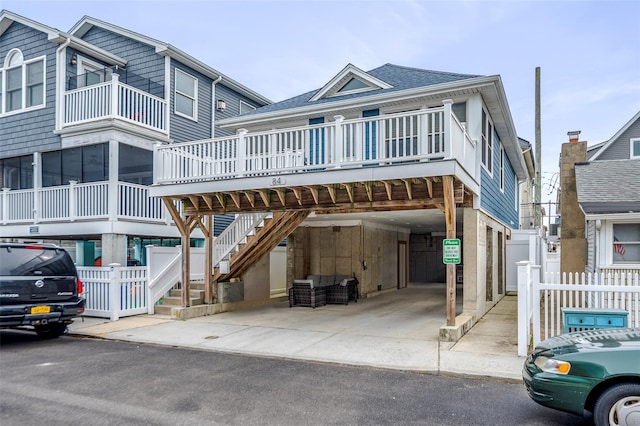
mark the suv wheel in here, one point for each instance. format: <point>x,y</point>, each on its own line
<point>50,331</point>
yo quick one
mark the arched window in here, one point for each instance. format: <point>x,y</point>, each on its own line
<point>23,82</point>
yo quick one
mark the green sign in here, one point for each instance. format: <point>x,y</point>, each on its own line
<point>451,251</point>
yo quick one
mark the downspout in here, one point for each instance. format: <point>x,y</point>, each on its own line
<point>60,82</point>
<point>213,106</point>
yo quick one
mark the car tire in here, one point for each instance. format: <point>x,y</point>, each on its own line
<point>618,405</point>
<point>50,331</point>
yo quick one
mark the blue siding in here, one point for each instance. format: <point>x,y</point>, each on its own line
<point>26,132</point>
<point>502,205</point>
<point>182,128</point>
<point>141,58</point>
<point>232,100</point>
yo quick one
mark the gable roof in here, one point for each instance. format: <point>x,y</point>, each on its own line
<point>166,49</point>
<point>59,37</point>
<point>333,87</point>
<point>595,180</point>
<point>605,145</point>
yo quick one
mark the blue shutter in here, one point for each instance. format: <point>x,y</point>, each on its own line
<point>316,142</point>
<point>370,135</point>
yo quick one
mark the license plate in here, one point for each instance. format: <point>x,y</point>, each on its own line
<point>41,309</point>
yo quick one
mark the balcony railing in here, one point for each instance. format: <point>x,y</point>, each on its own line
<point>82,201</point>
<point>114,100</point>
<point>425,135</point>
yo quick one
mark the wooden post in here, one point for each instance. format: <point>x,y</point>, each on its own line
<point>209,291</point>
<point>450,218</point>
<point>186,273</point>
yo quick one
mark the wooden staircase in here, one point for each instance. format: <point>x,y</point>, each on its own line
<point>261,243</point>
<point>265,239</point>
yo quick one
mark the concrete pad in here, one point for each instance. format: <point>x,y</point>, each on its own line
<point>503,366</point>
<point>107,326</point>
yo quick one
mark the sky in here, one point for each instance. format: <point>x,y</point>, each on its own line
<point>588,51</point>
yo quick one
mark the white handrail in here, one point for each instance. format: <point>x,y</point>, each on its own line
<point>237,231</point>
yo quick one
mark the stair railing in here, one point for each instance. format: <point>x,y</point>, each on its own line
<point>234,234</point>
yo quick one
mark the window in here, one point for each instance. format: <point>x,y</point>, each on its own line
<point>17,172</point>
<point>487,142</point>
<point>501,168</point>
<point>245,107</point>
<point>353,84</point>
<point>635,148</point>
<point>626,243</point>
<point>186,95</point>
<point>23,86</point>
<point>89,163</point>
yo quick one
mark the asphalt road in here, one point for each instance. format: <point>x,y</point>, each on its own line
<point>88,381</point>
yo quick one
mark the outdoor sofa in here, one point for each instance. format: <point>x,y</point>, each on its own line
<point>319,290</point>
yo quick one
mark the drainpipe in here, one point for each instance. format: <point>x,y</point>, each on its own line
<point>60,82</point>
<point>213,106</point>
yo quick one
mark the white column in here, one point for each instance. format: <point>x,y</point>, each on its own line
<point>115,95</point>
<point>5,207</point>
<point>241,153</point>
<point>112,193</point>
<point>524,276</point>
<point>448,137</point>
<point>338,142</point>
<point>73,200</point>
<point>37,186</point>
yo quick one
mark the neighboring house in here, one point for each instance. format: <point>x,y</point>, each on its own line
<point>608,188</point>
<point>527,188</point>
<point>80,115</point>
<point>367,175</point>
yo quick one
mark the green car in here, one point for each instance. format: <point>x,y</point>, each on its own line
<point>596,370</point>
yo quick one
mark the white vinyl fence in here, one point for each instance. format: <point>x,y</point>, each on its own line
<point>114,292</point>
<point>540,302</point>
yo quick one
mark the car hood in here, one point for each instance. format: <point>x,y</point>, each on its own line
<point>622,339</point>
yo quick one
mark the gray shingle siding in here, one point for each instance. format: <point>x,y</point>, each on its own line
<point>26,132</point>
<point>500,204</point>
<point>142,58</point>
<point>620,149</point>
<point>232,100</point>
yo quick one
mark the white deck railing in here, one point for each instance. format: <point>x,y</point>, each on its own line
<point>424,135</point>
<point>114,100</point>
<point>540,302</point>
<point>81,201</point>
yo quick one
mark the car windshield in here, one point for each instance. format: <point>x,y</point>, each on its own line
<point>35,261</point>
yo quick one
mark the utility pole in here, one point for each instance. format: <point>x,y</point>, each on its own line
<point>538,177</point>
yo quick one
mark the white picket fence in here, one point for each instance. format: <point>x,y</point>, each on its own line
<point>540,303</point>
<point>114,292</point>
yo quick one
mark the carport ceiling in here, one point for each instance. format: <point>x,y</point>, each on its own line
<point>418,221</point>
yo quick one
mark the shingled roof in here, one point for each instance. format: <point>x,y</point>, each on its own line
<point>399,77</point>
<point>609,186</point>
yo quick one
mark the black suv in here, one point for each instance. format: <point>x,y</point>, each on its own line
<point>39,287</point>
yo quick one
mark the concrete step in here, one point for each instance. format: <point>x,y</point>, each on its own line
<point>180,313</point>
<point>177,301</point>
<point>199,294</point>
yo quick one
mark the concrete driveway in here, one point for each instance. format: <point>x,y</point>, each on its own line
<point>395,330</point>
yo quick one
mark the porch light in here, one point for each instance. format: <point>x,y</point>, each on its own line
<point>221,105</point>
<point>74,60</point>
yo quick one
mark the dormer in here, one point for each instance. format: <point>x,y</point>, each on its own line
<point>349,81</point>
